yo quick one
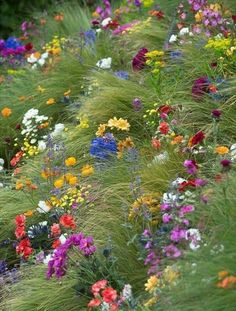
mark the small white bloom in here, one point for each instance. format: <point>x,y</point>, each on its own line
<point>233,152</point>
<point>32,59</point>
<point>41,145</point>
<point>183,31</point>
<point>33,141</point>
<point>47,259</point>
<point>62,239</point>
<point>106,21</point>
<point>173,38</point>
<point>194,236</point>
<point>1,161</point>
<point>43,207</point>
<point>44,55</point>
<point>127,292</point>
<point>177,182</point>
<point>41,61</point>
<point>169,197</point>
<point>59,127</point>
<point>104,63</point>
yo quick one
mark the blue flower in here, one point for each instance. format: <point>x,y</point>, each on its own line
<point>103,147</point>
<point>124,75</point>
<point>12,43</point>
<point>89,37</point>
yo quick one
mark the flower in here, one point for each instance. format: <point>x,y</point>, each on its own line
<point>156,143</point>
<point>99,285</point>
<point>67,221</point>
<point>109,295</point>
<point>225,163</point>
<point>200,87</point>
<point>120,124</point>
<point>24,248</point>
<point>216,113</point>
<point>164,128</point>
<point>71,161</point>
<point>191,166</point>
<point>193,235</point>
<point>196,139</point>
<point>152,283</point>
<point>222,150</point>
<point>172,251</point>
<point>104,63</point>
<point>101,130</point>
<point>58,183</point>
<point>20,220</point>
<point>137,104</point>
<point>87,170</point>
<point>94,303</point>
<point>173,38</point>
<point>43,207</point>
<point>103,148</point>
<point>55,230</point>
<point>51,101</point>
<point>6,112</point>
<point>20,232</point>
<point>139,60</point>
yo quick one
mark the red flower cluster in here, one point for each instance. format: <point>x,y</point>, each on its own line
<point>16,159</point>
<point>196,139</point>
<point>164,128</point>
<point>24,248</point>
<point>67,221</point>
<point>20,226</point>
<point>102,293</point>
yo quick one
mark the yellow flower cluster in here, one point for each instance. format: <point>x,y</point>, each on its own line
<point>83,122</point>
<point>54,46</point>
<point>152,283</point>
<point>119,124</point>
<point>145,203</point>
<point>155,60</point>
<point>122,144</point>
<point>67,178</point>
<point>28,149</point>
<point>226,46</point>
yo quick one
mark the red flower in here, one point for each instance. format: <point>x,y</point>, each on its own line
<point>55,230</point>
<point>196,139</point>
<point>20,220</point>
<point>109,295</point>
<point>165,109</point>
<point>94,303</point>
<point>114,307</point>
<point>24,248</point>
<point>20,232</point>
<point>139,60</point>
<point>112,24</point>
<point>67,221</point>
<point>16,158</point>
<point>189,183</point>
<point>96,287</point>
<point>29,46</point>
<point>164,128</point>
<point>234,18</point>
<point>156,143</point>
<point>56,243</point>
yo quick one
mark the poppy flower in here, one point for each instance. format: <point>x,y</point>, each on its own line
<point>139,60</point>
<point>67,221</point>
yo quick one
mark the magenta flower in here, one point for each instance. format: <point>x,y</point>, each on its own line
<point>216,113</point>
<point>225,163</point>
<point>186,209</point>
<point>172,251</point>
<point>177,234</point>
<point>166,218</point>
<point>200,87</point>
<point>197,4</point>
<point>139,60</point>
<point>191,166</point>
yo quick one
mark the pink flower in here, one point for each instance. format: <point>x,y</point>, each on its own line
<point>172,251</point>
<point>96,287</point>
<point>166,218</point>
<point>191,166</point>
<point>139,60</point>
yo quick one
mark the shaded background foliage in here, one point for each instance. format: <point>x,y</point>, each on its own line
<point>13,12</point>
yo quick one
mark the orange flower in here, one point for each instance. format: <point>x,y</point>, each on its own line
<point>67,93</point>
<point>51,101</point>
<point>6,112</point>
<point>59,183</point>
<point>29,213</point>
<point>222,150</point>
<point>227,282</point>
<point>156,143</point>
<point>59,17</point>
<point>222,274</point>
<point>177,140</point>
<point>19,185</point>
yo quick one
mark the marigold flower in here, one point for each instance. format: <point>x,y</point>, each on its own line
<point>87,170</point>
<point>70,161</point>
<point>59,183</point>
<point>6,112</point>
<point>51,101</point>
<point>152,283</point>
<point>222,150</point>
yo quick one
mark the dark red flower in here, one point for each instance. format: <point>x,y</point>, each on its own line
<point>139,60</point>
<point>196,139</point>
<point>185,184</point>
<point>200,87</point>
<point>216,113</point>
<point>165,109</point>
<point>29,46</point>
<point>234,18</point>
<point>225,163</point>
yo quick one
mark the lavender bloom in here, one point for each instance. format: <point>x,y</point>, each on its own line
<point>172,251</point>
<point>137,104</point>
<point>197,4</point>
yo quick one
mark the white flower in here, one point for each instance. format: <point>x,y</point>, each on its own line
<point>33,141</point>
<point>104,63</point>
<point>105,306</point>
<point>173,38</point>
<point>44,55</point>
<point>106,21</point>
<point>184,31</point>
<point>98,30</point>
<point>47,259</point>
<point>194,236</point>
<point>32,59</point>
<point>127,292</point>
<point>62,239</point>
<point>233,152</point>
<point>41,145</point>
<point>1,161</point>
<point>178,181</point>
<point>1,185</point>
<point>59,127</point>
<point>43,207</point>
<point>169,197</point>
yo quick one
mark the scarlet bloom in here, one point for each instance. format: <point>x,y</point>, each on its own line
<point>139,60</point>
<point>56,243</point>
<point>96,287</point>
<point>109,295</point>
<point>164,128</point>
<point>24,248</point>
<point>67,221</point>
<point>94,303</point>
<point>20,232</point>
<point>55,230</point>
<point>16,158</point>
<point>20,220</point>
<point>156,143</point>
<point>196,139</point>
<point>165,109</point>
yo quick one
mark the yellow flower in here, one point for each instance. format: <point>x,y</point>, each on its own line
<point>51,101</point>
<point>123,125</point>
<point>222,150</point>
<point>19,185</point>
<point>101,130</point>
<point>87,170</point>
<point>150,302</point>
<point>40,89</point>
<point>170,275</point>
<point>152,283</point>
<point>198,16</point>
<point>58,183</point>
<point>70,161</point>
<point>112,122</point>
<point>29,213</point>
<point>73,180</point>
<point>67,93</point>
<point>6,112</point>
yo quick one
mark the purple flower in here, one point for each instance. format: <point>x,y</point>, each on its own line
<point>137,104</point>
<point>165,207</point>
<point>186,209</point>
<point>177,234</point>
<point>167,218</point>
<point>172,251</point>
<point>191,166</point>
<point>200,87</point>
<point>197,4</point>
<point>225,163</point>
